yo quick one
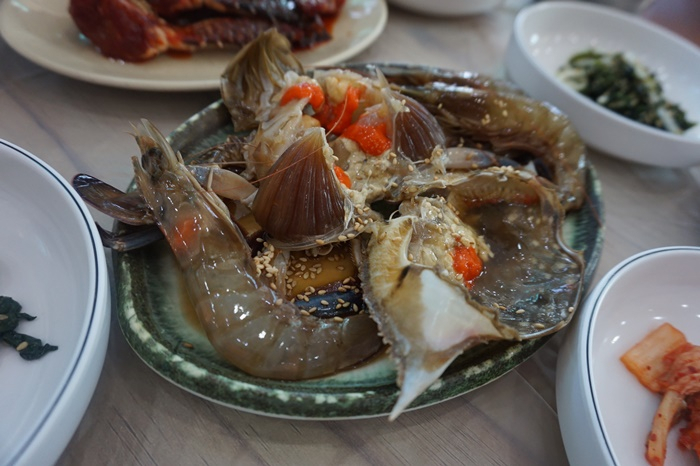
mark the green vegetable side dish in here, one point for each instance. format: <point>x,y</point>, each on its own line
<point>29,348</point>
<point>624,86</point>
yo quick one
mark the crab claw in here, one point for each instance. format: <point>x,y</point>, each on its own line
<point>428,321</point>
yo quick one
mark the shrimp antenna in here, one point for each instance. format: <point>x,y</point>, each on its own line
<point>337,122</point>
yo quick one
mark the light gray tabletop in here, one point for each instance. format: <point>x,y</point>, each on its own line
<point>137,417</point>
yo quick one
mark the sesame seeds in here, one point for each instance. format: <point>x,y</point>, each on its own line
<point>263,261</point>
<point>309,272</point>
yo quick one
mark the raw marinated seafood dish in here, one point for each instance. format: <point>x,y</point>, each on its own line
<point>359,210</point>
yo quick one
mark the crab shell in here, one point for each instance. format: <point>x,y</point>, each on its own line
<point>527,288</point>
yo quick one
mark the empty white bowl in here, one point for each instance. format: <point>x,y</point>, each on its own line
<point>53,264</point>
<point>605,414</point>
<point>546,35</point>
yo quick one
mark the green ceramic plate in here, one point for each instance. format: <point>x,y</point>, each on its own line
<point>156,319</point>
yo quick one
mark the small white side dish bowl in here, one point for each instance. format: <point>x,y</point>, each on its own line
<point>53,264</point>
<point>605,414</point>
<point>546,35</point>
<point>447,8</point>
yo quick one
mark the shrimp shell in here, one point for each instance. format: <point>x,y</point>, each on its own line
<point>410,75</point>
<point>247,323</point>
<point>512,122</point>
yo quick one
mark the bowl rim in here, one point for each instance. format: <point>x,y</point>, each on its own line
<point>570,7</point>
<point>54,425</point>
<point>590,315</point>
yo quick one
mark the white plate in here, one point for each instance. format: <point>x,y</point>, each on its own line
<point>43,32</point>
<point>53,264</point>
<point>546,34</point>
<point>605,413</point>
<point>448,8</point>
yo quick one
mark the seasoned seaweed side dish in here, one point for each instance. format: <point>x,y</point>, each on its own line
<point>624,86</point>
<point>29,348</point>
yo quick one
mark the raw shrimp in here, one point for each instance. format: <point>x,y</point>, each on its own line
<point>131,208</point>
<point>408,75</point>
<point>246,321</point>
<point>490,111</point>
<point>512,122</point>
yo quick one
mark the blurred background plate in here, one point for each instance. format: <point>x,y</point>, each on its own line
<point>448,8</point>
<point>52,262</point>
<point>43,32</point>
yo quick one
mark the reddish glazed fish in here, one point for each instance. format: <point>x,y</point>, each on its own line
<point>132,31</point>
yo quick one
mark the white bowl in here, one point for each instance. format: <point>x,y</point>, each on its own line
<point>448,8</point>
<point>52,262</point>
<point>547,34</point>
<point>605,414</point>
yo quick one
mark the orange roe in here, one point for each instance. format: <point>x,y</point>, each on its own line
<point>371,139</point>
<point>336,118</point>
<point>185,235</point>
<point>466,263</point>
<point>342,176</point>
<point>304,90</point>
